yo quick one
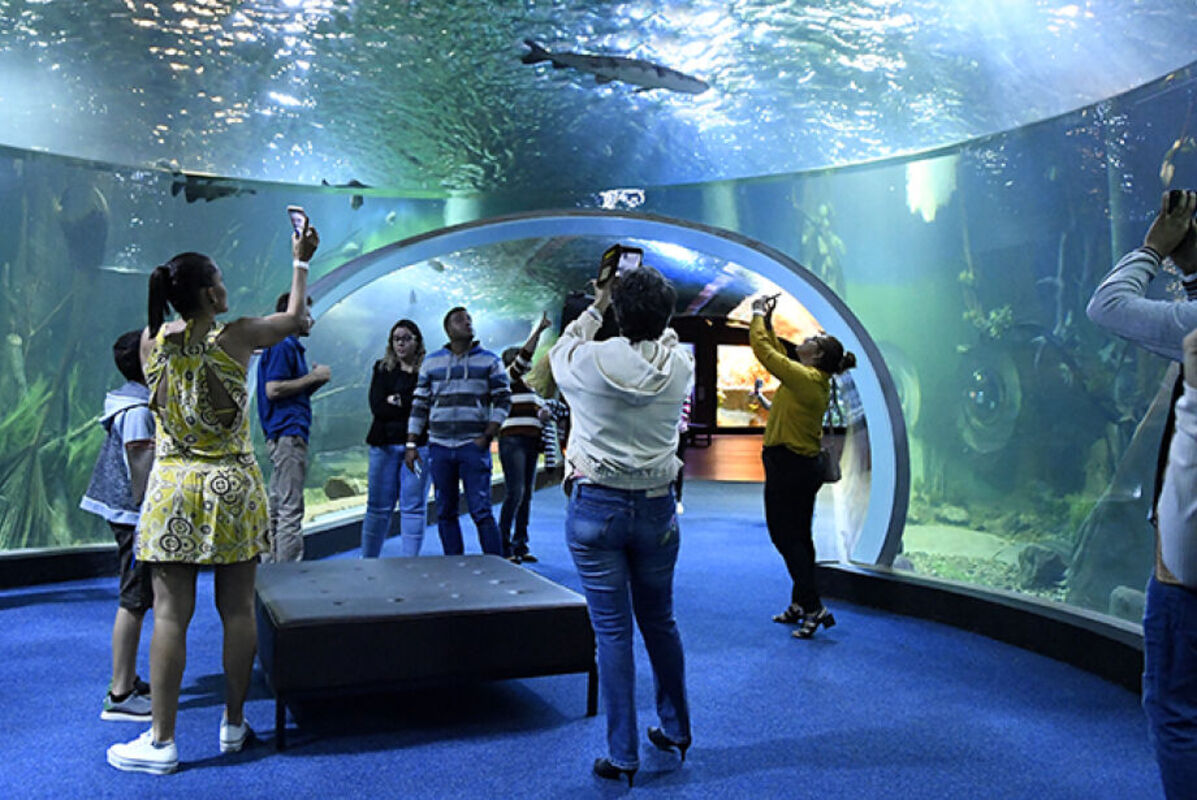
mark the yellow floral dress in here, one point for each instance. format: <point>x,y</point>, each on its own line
<point>205,502</point>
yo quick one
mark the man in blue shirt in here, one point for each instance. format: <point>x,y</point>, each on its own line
<point>285,386</point>
<point>462,396</point>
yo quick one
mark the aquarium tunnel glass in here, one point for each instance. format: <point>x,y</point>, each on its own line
<point>508,271</point>
<point>996,437</point>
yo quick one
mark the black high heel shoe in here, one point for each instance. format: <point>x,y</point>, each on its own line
<point>813,621</point>
<point>605,769</point>
<point>791,616</point>
<point>663,742</point>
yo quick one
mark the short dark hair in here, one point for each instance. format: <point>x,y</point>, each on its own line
<point>449,313</point>
<point>126,352</point>
<point>643,301</point>
<point>284,299</point>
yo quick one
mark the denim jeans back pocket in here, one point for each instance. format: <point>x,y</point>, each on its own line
<point>670,534</point>
<point>660,514</point>
<point>589,524</point>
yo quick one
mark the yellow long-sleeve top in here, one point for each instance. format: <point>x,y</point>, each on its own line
<point>796,419</point>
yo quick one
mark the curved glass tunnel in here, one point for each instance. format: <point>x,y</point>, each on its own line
<point>1032,434</point>
<point>508,271</point>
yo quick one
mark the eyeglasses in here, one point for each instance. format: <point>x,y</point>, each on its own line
<point>403,338</point>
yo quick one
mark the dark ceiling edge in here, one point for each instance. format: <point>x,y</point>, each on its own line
<point>1104,646</point>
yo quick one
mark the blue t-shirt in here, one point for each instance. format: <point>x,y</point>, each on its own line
<point>287,416</point>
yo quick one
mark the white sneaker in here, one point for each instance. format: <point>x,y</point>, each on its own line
<point>134,708</point>
<point>233,737</point>
<point>143,755</point>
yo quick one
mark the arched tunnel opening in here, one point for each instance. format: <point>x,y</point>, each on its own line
<point>508,270</point>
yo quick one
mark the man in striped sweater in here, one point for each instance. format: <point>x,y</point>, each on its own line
<point>462,396</point>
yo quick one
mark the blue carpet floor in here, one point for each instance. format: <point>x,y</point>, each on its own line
<point>880,706</point>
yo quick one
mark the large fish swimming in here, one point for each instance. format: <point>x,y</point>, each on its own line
<point>616,68</point>
<point>196,186</point>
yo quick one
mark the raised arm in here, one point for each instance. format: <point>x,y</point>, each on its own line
<point>580,331</point>
<point>1120,304</point>
<point>241,337</point>
<point>768,350</point>
<point>523,361</point>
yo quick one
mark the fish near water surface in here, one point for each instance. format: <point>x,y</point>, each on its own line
<point>605,69</point>
<point>203,187</point>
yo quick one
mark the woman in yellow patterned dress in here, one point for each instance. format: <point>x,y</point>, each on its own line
<point>205,503</point>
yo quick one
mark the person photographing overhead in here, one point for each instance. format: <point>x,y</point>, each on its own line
<point>625,396</point>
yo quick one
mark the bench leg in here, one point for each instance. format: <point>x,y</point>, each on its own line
<point>280,723</point>
<point>592,691</point>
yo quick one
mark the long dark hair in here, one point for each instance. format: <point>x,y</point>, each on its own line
<point>389,360</point>
<point>177,284</point>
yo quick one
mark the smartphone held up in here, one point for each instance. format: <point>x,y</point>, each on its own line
<point>299,219</point>
<point>616,259</point>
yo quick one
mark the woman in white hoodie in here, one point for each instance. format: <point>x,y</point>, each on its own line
<point>625,396</point>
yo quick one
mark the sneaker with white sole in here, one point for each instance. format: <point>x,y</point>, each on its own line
<point>135,707</point>
<point>144,755</point>
<point>233,737</point>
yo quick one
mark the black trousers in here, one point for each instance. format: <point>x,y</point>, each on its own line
<point>791,483</point>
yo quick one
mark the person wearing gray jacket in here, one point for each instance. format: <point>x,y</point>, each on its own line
<point>625,396</point>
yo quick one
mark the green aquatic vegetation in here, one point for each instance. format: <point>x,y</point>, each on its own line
<point>25,511</point>
<point>993,323</point>
<point>822,248</point>
<point>41,474</point>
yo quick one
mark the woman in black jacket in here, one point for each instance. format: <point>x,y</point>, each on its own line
<point>391,390</point>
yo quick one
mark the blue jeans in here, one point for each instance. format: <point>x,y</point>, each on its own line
<point>390,480</point>
<point>470,465</point>
<point>518,456</point>
<point>1170,684</point>
<point>624,545</point>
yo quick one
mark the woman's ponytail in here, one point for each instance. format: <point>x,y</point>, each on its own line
<point>847,362</point>
<point>159,292</point>
<point>177,284</point>
<point>833,358</point>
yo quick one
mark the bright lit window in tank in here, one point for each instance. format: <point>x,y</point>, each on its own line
<point>930,184</point>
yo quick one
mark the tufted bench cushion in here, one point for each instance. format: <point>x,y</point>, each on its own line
<point>362,624</point>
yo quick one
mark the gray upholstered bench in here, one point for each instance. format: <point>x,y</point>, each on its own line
<point>350,625</point>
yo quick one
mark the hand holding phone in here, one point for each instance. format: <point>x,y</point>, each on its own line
<point>304,240</point>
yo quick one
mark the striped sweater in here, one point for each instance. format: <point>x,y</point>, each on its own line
<point>457,396</point>
<point>524,419</point>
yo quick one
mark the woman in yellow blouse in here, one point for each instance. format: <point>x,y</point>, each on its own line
<point>205,503</point>
<point>793,471</point>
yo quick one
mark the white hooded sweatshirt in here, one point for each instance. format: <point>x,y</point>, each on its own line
<point>625,402</point>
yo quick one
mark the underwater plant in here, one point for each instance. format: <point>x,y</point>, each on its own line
<point>822,248</point>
